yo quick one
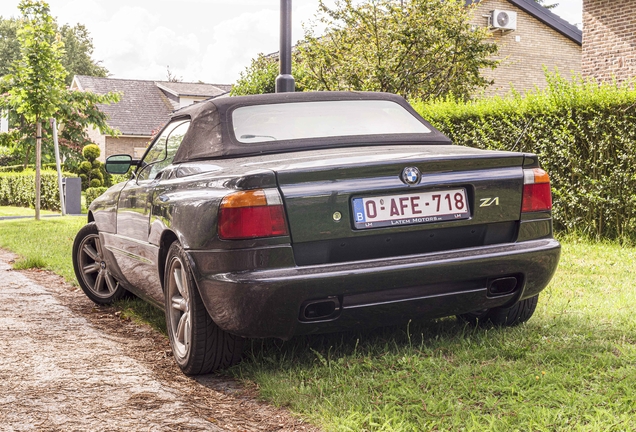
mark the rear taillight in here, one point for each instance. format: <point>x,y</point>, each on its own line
<point>536,191</point>
<point>252,214</point>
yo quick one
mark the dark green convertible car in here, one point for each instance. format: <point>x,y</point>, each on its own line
<point>298,213</point>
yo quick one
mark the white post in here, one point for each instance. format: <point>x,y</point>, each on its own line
<point>58,165</point>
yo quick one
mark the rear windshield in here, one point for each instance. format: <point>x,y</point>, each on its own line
<point>290,121</point>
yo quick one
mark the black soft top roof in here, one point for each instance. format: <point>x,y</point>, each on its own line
<point>211,136</point>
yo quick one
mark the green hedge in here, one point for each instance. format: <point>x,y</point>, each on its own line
<point>585,135</point>
<point>21,168</point>
<point>18,189</point>
<point>92,193</point>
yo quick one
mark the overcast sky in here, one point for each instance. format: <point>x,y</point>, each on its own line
<point>207,40</point>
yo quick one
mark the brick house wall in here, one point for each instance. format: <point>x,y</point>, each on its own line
<point>525,51</point>
<point>134,146</point>
<point>609,39</point>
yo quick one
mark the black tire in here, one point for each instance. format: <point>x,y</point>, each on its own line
<point>518,313</point>
<point>199,346</point>
<point>90,268</point>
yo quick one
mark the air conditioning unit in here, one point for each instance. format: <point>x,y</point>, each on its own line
<point>504,20</point>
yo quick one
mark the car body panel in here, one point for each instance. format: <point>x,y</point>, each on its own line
<point>257,287</point>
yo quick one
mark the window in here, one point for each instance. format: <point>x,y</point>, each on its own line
<point>287,121</point>
<point>161,154</point>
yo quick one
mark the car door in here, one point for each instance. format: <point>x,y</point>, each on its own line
<point>136,256</point>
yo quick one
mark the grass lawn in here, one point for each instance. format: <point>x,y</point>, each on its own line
<point>571,367</point>
<point>22,211</point>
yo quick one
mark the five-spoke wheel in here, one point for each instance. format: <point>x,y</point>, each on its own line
<point>179,318</point>
<point>90,267</point>
<point>198,344</point>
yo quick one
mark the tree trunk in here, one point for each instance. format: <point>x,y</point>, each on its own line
<point>26,158</point>
<point>38,162</point>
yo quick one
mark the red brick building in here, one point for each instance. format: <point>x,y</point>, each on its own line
<point>609,39</point>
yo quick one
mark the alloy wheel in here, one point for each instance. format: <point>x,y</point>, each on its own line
<point>94,272</point>
<point>179,314</point>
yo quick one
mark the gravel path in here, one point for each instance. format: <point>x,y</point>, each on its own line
<point>68,365</point>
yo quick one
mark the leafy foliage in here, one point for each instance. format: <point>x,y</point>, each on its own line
<point>16,189</point>
<point>78,48</point>
<point>92,171</point>
<point>260,76</point>
<point>78,111</point>
<point>36,83</point>
<point>9,45</point>
<point>93,192</point>
<point>420,48</point>
<point>585,135</point>
<point>41,54</point>
<point>547,6</point>
<point>21,168</point>
<point>76,56</point>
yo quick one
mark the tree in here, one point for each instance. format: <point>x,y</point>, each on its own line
<point>35,89</point>
<point>171,76</point>
<point>9,45</point>
<point>419,49</point>
<point>76,58</point>
<point>78,49</point>
<point>549,6</point>
<point>77,112</point>
<point>37,81</point>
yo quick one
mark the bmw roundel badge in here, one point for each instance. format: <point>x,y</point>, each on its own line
<point>411,175</point>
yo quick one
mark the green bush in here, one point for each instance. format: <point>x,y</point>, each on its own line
<point>92,171</point>
<point>18,189</point>
<point>85,166</point>
<point>92,193</point>
<point>118,178</point>
<point>585,135</point>
<point>91,152</point>
<point>46,166</point>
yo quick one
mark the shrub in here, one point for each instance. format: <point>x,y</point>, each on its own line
<point>18,189</point>
<point>92,171</point>
<point>118,178</point>
<point>92,193</point>
<point>585,135</point>
<point>46,166</point>
<point>91,152</point>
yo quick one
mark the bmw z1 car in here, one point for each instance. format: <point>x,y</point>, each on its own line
<point>298,213</point>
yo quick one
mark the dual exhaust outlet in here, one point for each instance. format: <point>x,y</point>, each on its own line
<point>329,308</point>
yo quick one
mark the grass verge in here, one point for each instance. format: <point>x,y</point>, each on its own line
<point>571,367</point>
<point>22,211</point>
<point>43,244</point>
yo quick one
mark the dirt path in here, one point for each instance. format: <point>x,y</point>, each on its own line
<point>67,365</point>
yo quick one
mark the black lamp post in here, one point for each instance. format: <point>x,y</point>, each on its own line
<point>285,81</point>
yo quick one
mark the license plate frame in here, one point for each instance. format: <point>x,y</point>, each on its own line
<point>413,208</point>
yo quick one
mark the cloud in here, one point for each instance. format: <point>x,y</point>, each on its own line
<point>208,40</point>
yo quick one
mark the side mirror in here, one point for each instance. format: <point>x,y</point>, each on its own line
<point>119,164</point>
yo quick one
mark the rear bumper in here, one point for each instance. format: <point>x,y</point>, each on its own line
<point>267,303</point>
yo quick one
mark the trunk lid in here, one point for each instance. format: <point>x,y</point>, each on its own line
<point>320,188</point>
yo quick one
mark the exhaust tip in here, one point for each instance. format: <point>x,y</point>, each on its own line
<point>320,310</point>
<point>503,286</point>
